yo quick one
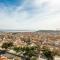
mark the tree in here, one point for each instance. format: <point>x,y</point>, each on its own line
<point>48,54</point>
<point>10,44</point>
<point>17,49</point>
<point>7,45</point>
<point>27,52</point>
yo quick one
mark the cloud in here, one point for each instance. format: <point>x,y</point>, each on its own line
<point>31,14</point>
<point>54,4</point>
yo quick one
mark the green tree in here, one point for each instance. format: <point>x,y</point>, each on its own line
<point>27,52</point>
<point>48,54</point>
<point>10,44</point>
<point>17,49</point>
<point>7,45</point>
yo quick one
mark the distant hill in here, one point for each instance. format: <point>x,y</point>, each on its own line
<point>48,31</point>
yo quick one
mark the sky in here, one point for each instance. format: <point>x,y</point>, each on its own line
<point>30,14</point>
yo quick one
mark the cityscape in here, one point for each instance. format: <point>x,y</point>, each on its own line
<point>17,45</point>
<point>29,29</point>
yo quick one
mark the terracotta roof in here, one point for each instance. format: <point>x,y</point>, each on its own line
<point>3,58</point>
